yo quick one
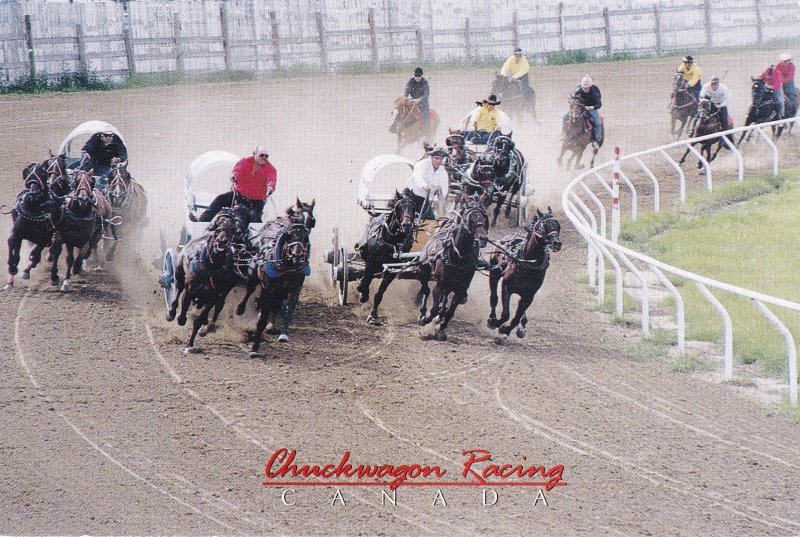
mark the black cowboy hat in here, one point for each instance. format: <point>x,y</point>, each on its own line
<point>492,99</point>
<point>438,152</point>
<point>418,71</point>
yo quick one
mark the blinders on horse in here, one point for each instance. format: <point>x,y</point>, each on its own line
<point>546,231</point>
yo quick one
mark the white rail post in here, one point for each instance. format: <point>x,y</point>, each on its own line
<point>615,199</point>
<point>727,327</point>
<point>791,350</point>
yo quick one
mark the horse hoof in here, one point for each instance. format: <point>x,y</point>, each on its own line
<point>181,321</point>
<point>464,300</point>
<point>8,287</point>
<point>505,330</point>
<point>170,316</point>
<point>283,338</point>
<point>54,282</point>
<point>441,335</point>
<point>491,322</point>
<point>189,350</point>
<point>270,328</point>
<point>373,319</point>
<point>209,329</point>
<point>65,286</point>
<point>363,298</point>
<point>520,333</point>
<point>255,354</point>
<point>26,275</point>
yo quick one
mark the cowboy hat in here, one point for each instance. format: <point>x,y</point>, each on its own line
<point>785,57</point>
<point>492,99</point>
<point>688,59</point>
<point>438,152</point>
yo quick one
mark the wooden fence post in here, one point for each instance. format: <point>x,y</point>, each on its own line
<point>373,39</point>
<point>127,37</point>
<point>707,9</point>
<point>223,21</point>
<point>29,44</point>
<point>176,35</point>
<point>420,53</point>
<point>607,30</point>
<point>759,23</point>
<point>83,65</point>
<point>561,26</point>
<point>323,45</point>
<point>276,39</point>
<point>514,31</point>
<point>657,29</point>
<point>467,40</point>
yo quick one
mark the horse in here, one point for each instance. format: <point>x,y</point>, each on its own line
<point>707,122</point>
<point>79,222</point>
<point>408,124</point>
<point>510,169</point>
<point>282,270</point>
<point>682,105</point>
<point>451,259</point>
<point>386,237</point>
<point>763,108</point>
<point>204,274</point>
<point>30,221</point>
<point>521,262</point>
<point>59,181</point>
<point>576,134</point>
<point>515,100</point>
<point>128,204</point>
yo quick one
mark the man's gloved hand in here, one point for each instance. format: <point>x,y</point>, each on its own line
<point>590,107</point>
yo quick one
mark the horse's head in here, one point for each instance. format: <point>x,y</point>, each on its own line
<point>544,231</point>
<point>82,197</point>
<point>502,145</point>
<point>403,212</point>
<point>475,220</point>
<point>401,115</point>
<point>576,109</point>
<point>303,213</point>
<point>222,232</point>
<point>118,182</point>
<point>759,91</point>
<point>295,246</point>
<point>679,84</point>
<point>59,181</point>
<point>483,172</point>
<point>34,178</point>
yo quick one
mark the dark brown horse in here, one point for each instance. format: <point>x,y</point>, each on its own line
<point>408,124</point>
<point>204,274</point>
<point>30,221</point>
<point>707,122</point>
<point>576,134</point>
<point>682,105</point>
<point>386,237</point>
<point>79,224</point>
<point>451,259</point>
<point>763,108</point>
<point>521,262</point>
<point>281,270</point>
<point>128,205</point>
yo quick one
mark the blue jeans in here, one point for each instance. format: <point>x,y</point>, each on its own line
<point>597,130</point>
<point>790,93</point>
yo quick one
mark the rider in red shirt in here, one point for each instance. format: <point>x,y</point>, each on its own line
<point>774,80</point>
<point>252,182</point>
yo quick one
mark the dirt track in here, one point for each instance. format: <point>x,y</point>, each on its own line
<point>108,428</point>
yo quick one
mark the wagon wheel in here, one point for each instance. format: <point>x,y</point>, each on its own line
<point>333,256</point>
<point>168,278</point>
<point>341,273</point>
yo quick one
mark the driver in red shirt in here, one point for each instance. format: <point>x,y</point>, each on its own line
<point>252,182</point>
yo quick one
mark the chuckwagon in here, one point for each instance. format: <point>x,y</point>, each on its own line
<point>382,178</point>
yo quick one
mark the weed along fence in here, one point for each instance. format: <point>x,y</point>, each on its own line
<point>592,203</point>
<point>118,39</point>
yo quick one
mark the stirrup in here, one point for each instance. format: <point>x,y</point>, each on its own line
<point>595,145</point>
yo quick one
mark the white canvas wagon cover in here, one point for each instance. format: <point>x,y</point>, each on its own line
<point>368,198</point>
<point>86,129</point>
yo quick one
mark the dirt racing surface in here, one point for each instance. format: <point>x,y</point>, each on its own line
<point>109,428</point>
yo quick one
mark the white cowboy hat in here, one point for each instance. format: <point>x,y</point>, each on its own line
<point>785,57</point>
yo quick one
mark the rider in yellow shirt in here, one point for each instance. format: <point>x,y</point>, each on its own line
<point>516,70</point>
<point>692,74</point>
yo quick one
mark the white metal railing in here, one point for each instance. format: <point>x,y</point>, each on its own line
<point>590,219</point>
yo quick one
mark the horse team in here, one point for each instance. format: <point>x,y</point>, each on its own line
<point>61,208</point>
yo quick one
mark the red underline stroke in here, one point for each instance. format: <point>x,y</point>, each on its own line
<point>410,484</point>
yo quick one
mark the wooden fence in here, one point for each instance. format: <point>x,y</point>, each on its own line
<point>119,39</point>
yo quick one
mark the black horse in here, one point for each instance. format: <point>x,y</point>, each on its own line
<point>204,274</point>
<point>763,108</point>
<point>576,134</point>
<point>282,270</point>
<point>521,261</point>
<point>510,169</point>
<point>451,259</point>
<point>386,237</point>
<point>682,105</point>
<point>707,122</point>
<point>30,221</point>
<point>515,99</point>
<point>128,205</point>
<point>79,222</point>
